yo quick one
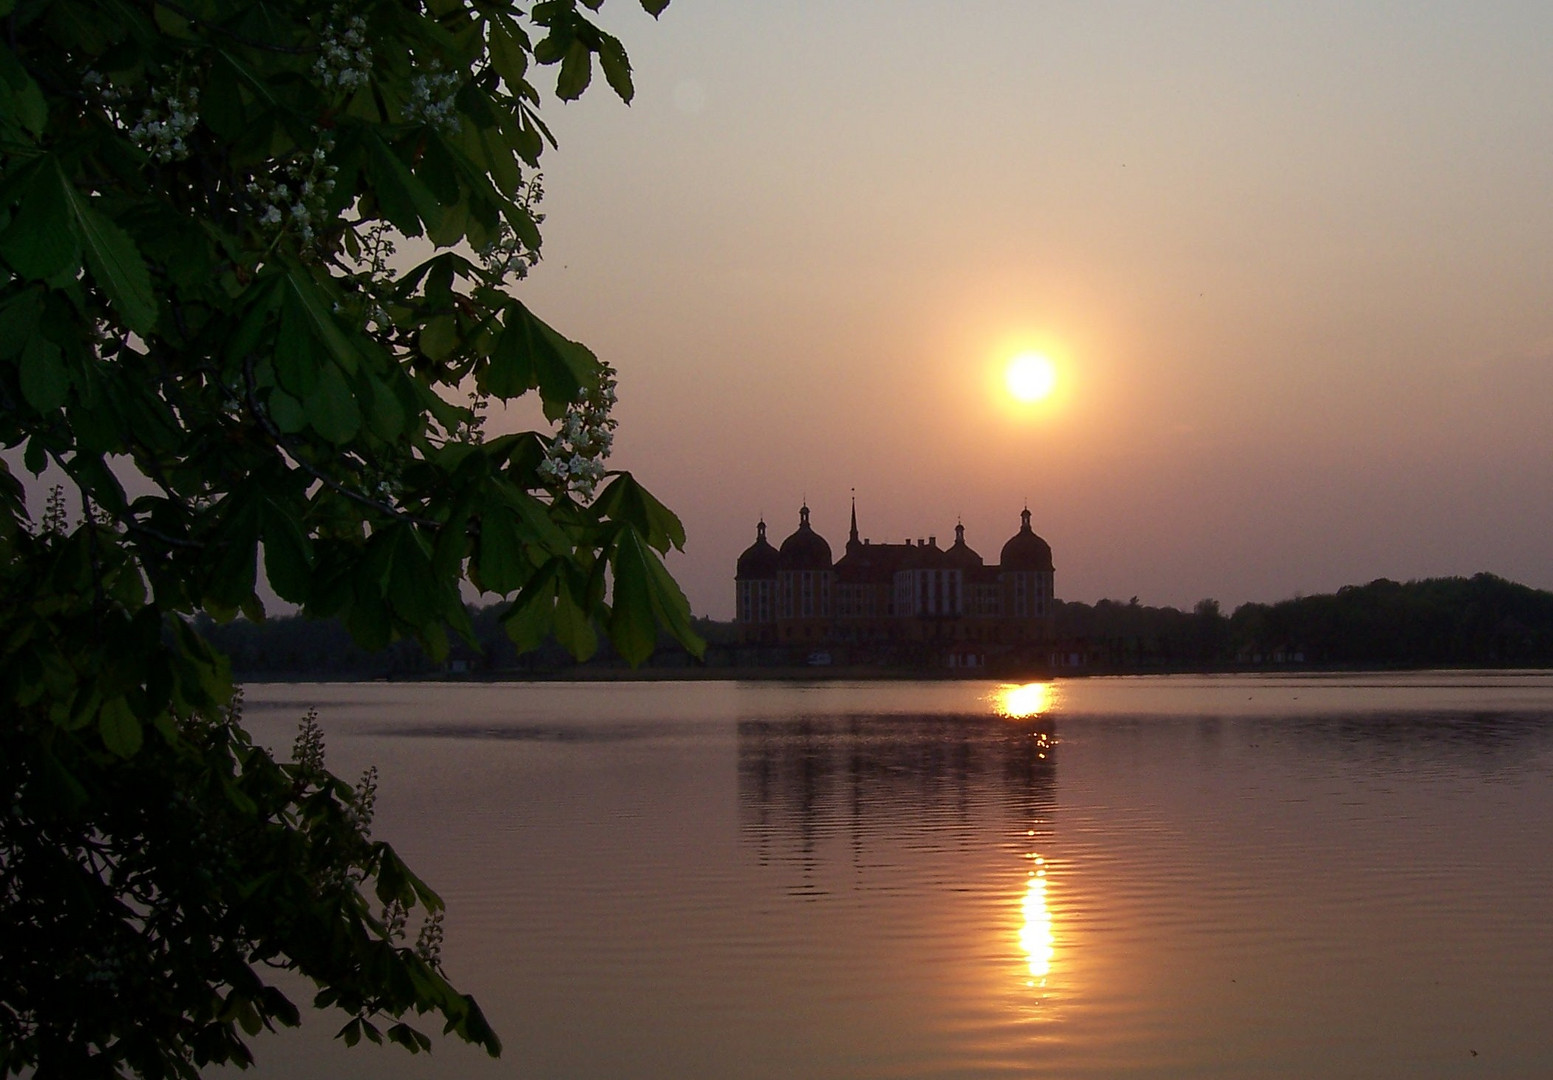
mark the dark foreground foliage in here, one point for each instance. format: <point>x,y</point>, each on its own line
<point>207,339</point>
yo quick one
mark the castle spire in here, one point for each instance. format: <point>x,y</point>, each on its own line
<point>853,538</point>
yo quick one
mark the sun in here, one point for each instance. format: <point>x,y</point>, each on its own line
<point>1030,376</point>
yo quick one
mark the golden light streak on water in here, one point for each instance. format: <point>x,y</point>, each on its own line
<point>1035,935</point>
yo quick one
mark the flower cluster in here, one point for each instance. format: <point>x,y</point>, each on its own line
<point>428,943</point>
<point>299,199</point>
<point>166,123</point>
<point>507,255</point>
<point>372,248</point>
<point>56,522</point>
<point>308,749</point>
<point>395,916</point>
<point>104,91</point>
<point>431,99</point>
<point>575,457</point>
<point>363,802</point>
<point>344,57</point>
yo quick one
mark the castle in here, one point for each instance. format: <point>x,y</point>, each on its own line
<point>896,601</point>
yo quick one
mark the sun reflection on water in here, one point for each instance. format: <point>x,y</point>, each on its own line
<point>1035,934</point>
<point>1024,702</point>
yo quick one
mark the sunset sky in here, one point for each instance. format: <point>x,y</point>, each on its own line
<point>1293,264</point>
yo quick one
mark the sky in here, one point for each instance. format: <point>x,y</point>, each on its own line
<point>1292,261</point>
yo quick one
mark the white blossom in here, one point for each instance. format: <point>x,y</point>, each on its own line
<point>431,99</point>
<point>575,458</point>
<point>344,57</point>
<point>296,197</point>
<point>166,122</point>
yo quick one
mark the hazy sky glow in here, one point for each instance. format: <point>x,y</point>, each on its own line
<point>1292,262</point>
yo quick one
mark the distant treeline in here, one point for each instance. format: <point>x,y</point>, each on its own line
<point>295,647</point>
<point>1483,620</point>
<point>1479,620</point>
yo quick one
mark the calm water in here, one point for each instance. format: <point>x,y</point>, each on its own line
<point>1238,877</point>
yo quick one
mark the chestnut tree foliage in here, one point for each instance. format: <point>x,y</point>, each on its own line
<point>204,329</point>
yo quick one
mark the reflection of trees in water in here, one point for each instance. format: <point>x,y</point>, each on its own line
<point>920,781</point>
<point>1489,738</point>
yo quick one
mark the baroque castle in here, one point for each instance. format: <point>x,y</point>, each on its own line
<point>882,601</point>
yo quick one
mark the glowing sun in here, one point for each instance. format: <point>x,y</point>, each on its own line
<point>1030,377</point>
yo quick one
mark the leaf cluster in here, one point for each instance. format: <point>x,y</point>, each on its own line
<point>201,329</point>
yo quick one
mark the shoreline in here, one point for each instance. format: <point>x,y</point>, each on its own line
<point>804,674</point>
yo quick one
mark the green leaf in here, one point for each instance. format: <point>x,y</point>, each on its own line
<point>20,97</point>
<point>321,322</point>
<point>40,243</point>
<point>221,101</point>
<point>497,155</point>
<point>115,262</point>
<point>617,67</point>
<point>438,170</point>
<point>670,607</point>
<point>576,71</point>
<point>385,416</point>
<point>654,7</point>
<point>394,880</point>
<point>535,517</point>
<point>259,302</point>
<point>439,336</point>
<point>406,202</point>
<point>45,383</point>
<point>507,52</point>
<point>412,590</point>
<point>529,353</point>
<point>503,565</point>
<point>35,457</point>
<point>645,597</point>
<point>407,1037</point>
<point>632,628</point>
<point>529,617</point>
<point>573,628</point>
<point>288,556</point>
<point>232,568</point>
<point>331,408</point>
<point>626,501</point>
<point>18,316</point>
<point>298,353</point>
<point>287,412</point>
<point>120,728</point>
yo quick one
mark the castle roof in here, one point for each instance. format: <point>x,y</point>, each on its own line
<point>870,562</point>
<point>805,549</point>
<point>1025,550</point>
<point>961,555</point>
<point>759,559</point>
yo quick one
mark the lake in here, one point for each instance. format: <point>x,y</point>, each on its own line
<point>1236,876</point>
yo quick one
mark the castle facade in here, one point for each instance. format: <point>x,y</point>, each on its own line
<point>883,600</point>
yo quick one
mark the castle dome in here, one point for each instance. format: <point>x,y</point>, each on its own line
<point>804,549</point>
<point>1025,550</point>
<point>759,559</point>
<point>962,555</point>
